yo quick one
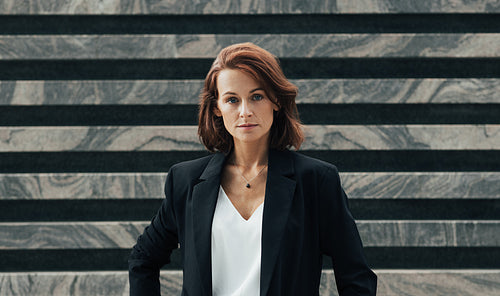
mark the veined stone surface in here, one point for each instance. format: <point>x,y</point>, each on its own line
<point>474,185</point>
<point>390,283</point>
<point>55,47</point>
<point>426,282</point>
<point>251,7</point>
<point>69,235</point>
<point>372,185</point>
<point>82,186</point>
<point>381,233</point>
<point>326,91</point>
<point>429,233</point>
<point>318,137</point>
<point>401,137</point>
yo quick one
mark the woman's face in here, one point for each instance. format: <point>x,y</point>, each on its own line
<point>246,109</point>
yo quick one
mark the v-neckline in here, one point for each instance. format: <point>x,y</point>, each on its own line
<point>236,210</point>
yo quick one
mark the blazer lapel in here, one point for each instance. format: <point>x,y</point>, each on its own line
<point>205,195</point>
<point>280,190</point>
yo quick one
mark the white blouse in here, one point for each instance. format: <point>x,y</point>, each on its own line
<point>236,250</point>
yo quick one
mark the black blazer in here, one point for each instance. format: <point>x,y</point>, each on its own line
<point>305,216</point>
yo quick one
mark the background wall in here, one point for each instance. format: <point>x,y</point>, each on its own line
<point>98,100</point>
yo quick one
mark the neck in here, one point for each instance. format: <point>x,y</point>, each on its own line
<point>250,156</point>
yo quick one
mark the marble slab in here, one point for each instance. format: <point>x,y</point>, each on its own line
<point>108,283</point>
<point>139,138</point>
<point>415,233</point>
<point>75,7</point>
<point>390,283</point>
<point>55,186</point>
<point>402,137</point>
<point>185,138</point>
<point>325,91</point>
<point>373,185</point>
<point>383,233</point>
<point>69,235</point>
<point>56,47</point>
<point>426,282</point>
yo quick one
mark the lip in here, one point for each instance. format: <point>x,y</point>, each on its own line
<point>247,125</point>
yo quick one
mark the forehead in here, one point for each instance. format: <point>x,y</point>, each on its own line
<point>236,81</point>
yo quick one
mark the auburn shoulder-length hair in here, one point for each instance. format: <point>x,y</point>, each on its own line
<point>286,130</point>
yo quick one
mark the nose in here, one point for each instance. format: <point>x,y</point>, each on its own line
<point>245,109</point>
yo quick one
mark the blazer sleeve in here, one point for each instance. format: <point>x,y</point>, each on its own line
<point>341,241</point>
<point>154,246</point>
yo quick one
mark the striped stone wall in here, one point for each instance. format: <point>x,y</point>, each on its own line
<point>98,99</point>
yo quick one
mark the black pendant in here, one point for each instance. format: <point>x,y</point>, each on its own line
<point>248,185</point>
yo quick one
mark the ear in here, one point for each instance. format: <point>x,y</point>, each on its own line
<point>217,111</point>
<point>276,105</point>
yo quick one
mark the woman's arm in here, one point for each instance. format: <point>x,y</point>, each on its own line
<point>340,239</point>
<point>154,247</point>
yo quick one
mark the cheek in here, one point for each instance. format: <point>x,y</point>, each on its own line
<point>227,114</point>
<point>227,119</point>
<point>271,115</point>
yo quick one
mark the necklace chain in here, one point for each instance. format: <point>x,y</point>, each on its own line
<point>248,181</point>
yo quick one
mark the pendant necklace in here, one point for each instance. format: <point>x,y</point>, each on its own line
<point>248,181</point>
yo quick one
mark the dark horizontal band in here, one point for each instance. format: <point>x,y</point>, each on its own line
<point>161,161</point>
<point>250,24</point>
<point>294,68</point>
<point>433,257</point>
<point>145,209</point>
<point>79,210</point>
<point>377,257</point>
<point>425,209</point>
<point>106,115</point>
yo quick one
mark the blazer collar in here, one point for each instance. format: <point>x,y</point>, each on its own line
<point>280,188</point>
<point>204,196</point>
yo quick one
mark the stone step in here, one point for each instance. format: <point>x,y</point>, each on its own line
<point>374,233</point>
<point>185,138</point>
<point>340,91</point>
<point>358,185</point>
<point>161,161</point>
<point>295,68</point>
<point>414,282</point>
<point>151,46</point>
<point>112,7</point>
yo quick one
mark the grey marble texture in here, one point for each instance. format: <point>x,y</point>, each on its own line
<point>107,283</point>
<point>103,92</point>
<point>424,185</point>
<point>83,186</point>
<point>402,137</point>
<point>318,137</point>
<point>327,91</point>
<point>398,91</point>
<point>69,235</point>
<point>19,47</point>
<point>145,138</point>
<point>426,282</point>
<point>251,7</point>
<point>358,185</point>
<point>383,233</point>
<point>390,283</point>
<point>420,233</point>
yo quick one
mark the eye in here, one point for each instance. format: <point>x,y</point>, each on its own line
<point>258,97</point>
<point>231,100</point>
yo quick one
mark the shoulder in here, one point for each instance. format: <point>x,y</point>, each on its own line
<point>313,172</point>
<point>190,169</point>
<point>308,164</point>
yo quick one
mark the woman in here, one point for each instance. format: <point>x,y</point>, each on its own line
<point>254,218</point>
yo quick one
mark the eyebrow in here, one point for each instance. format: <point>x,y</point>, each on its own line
<point>233,93</point>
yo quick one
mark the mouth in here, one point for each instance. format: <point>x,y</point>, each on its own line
<point>247,125</point>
